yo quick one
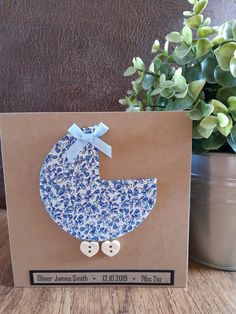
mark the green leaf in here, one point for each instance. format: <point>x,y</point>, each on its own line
<point>151,68</point>
<point>130,71</point>
<point>200,6</point>
<point>207,22</point>
<point>205,31</point>
<point>232,102</point>
<point>187,13</point>
<point>123,101</point>
<point>156,91</point>
<point>224,78</point>
<point>206,109</point>
<point>167,93</point>
<point>170,106</point>
<point>134,102</point>
<point>203,47</point>
<point>166,47</point>
<point>137,86</point>
<point>162,79</point>
<point>202,96</point>
<point>226,129</point>
<point>224,93</point>
<point>187,35</point>
<point>182,103</point>
<point>161,103</point>
<point>218,107</point>
<point>182,50</point>
<point>148,108</point>
<point>195,88</point>
<point>223,120</point>
<point>194,21</point>
<point>204,132</point>
<point>214,142</point>
<point>208,66</point>
<point>185,60</point>
<point>132,109</point>
<point>234,30</point>
<point>164,68</point>
<point>195,133</point>
<point>130,92</point>
<point>192,1</point>
<point>192,73</point>
<point>195,114</point>
<point>174,37</point>
<point>232,66</point>
<point>181,95</point>
<point>168,84</point>
<point>149,99</point>
<point>232,106</point>
<point>218,40</point>
<point>227,30</point>
<point>180,84</point>
<point>224,54</point>
<point>231,139</point>
<point>157,64</point>
<point>177,74</point>
<point>138,64</point>
<point>209,122</point>
<point>156,46</point>
<point>148,81</point>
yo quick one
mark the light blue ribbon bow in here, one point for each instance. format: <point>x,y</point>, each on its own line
<point>84,138</point>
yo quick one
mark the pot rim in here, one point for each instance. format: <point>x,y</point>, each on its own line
<point>214,164</point>
<point>215,154</point>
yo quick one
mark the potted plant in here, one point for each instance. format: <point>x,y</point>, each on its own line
<point>196,72</point>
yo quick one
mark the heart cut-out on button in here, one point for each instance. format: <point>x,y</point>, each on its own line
<point>89,248</point>
<point>111,248</point>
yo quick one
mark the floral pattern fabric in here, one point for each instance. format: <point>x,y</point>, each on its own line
<point>86,206</point>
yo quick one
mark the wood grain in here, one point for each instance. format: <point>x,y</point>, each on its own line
<point>209,291</point>
<point>70,55</point>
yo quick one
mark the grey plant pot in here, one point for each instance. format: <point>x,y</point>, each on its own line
<point>213,210</point>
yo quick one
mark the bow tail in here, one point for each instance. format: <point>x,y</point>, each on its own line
<point>74,150</point>
<point>102,146</point>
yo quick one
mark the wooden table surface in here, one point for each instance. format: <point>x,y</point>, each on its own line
<point>209,291</point>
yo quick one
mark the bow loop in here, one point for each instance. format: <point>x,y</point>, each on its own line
<point>83,138</point>
<point>100,130</point>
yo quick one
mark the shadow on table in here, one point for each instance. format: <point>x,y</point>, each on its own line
<point>6,276</point>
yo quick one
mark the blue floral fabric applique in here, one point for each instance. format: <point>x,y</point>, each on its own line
<point>86,206</point>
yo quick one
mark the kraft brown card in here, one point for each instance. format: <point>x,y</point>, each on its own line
<point>144,145</point>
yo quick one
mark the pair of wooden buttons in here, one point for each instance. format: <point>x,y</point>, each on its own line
<point>109,248</point>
